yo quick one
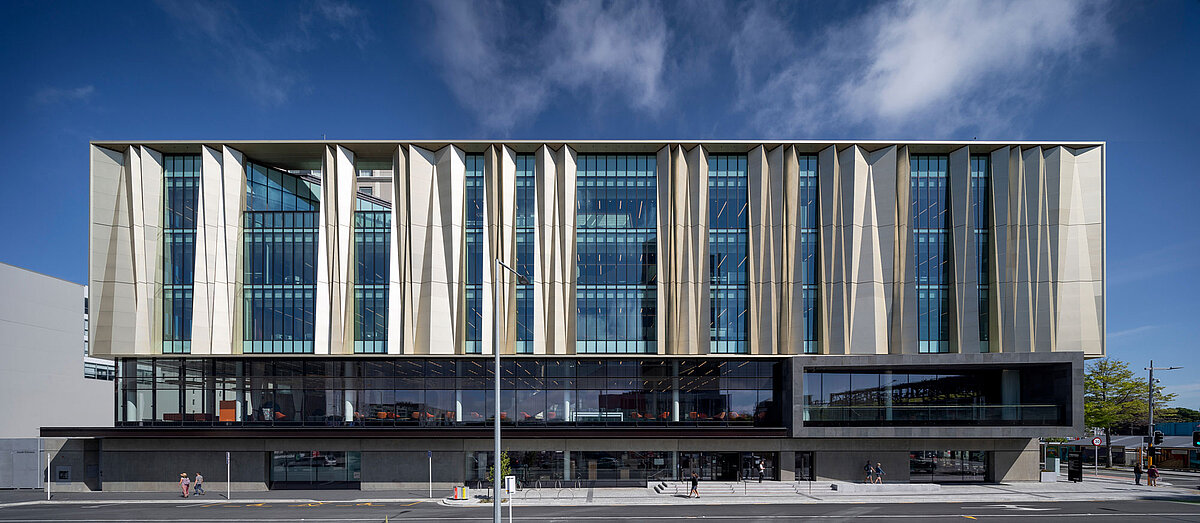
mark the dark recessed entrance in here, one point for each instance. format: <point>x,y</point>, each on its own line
<point>315,469</point>
<point>728,466</point>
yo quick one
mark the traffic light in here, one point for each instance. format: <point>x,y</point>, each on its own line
<point>1158,437</point>
<point>1196,438</point>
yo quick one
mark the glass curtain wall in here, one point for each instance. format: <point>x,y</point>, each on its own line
<point>917,397</point>
<point>372,225</point>
<point>930,192</point>
<point>474,234</point>
<point>809,235</point>
<point>181,187</point>
<point>280,261</point>
<point>616,223</point>
<point>451,392</point>
<point>728,236</point>
<point>525,250</point>
<point>981,209</point>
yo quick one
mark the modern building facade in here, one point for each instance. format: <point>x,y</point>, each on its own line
<point>325,310</point>
<point>43,382</point>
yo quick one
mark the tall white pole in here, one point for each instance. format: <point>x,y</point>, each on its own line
<point>47,474</point>
<point>228,485</point>
<point>496,478</point>
<point>429,454</point>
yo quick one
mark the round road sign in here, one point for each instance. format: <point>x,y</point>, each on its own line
<point>1096,441</point>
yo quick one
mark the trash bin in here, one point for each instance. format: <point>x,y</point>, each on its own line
<point>461,493</point>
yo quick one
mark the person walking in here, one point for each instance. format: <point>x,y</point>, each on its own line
<point>199,484</point>
<point>695,485</point>
<point>184,482</point>
<point>1137,473</point>
<point>869,472</point>
<point>878,473</point>
<point>1152,476</point>
<point>762,471</point>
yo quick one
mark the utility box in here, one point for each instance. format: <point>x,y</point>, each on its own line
<point>1075,466</point>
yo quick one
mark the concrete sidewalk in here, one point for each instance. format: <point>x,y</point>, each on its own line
<point>1092,489</point>
<point>25,497</point>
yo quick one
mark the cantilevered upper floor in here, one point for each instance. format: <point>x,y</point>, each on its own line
<point>215,248</point>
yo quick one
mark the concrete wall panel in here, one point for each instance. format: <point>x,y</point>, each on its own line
<point>791,328</point>
<point>499,243</point>
<point>334,317</point>
<point>399,270</point>
<point>832,308</point>
<point>684,301</point>
<point>435,298</point>
<point>964,291</point>
<point>554,269</point>
<point>766,275</point>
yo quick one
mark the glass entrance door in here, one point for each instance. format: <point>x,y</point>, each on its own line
<point>947,466</point>
<point>315,469</point>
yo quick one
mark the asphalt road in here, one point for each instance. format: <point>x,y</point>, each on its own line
<point>1187,481</point>
<point>1121,511</point>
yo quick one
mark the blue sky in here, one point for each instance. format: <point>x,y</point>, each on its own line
<point>1062,70</point>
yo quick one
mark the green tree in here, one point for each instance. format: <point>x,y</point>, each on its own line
<point>1180,414</point>
<point>1114,396</point>
<point>505,467</point>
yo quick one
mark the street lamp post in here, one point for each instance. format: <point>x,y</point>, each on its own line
<point>1150,428</point>
<point>496,470</point>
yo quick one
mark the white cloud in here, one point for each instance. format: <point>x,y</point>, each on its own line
<point>504,67</point>
<point>913,67</point>
<point>53,95</point>
<point>1134,330</point>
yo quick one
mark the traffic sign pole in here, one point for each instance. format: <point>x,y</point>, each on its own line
<point>1096,450</point>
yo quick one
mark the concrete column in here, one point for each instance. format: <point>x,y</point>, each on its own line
<point>1010,392</point>
<point>674,390</point>
<point>566,465</point>
<point>787,465</point>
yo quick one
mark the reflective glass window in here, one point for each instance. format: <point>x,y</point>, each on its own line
<point>474,249</point>
<point>372,225</point>
<point>728,237</point>
<point>525,226</point>
<point>930,194</point>
<point>346,391</point>
<point>279,261</point>
<point>980,211</point>
<point>616,263</point>
<point>809,234</point>
<point>181,187</point>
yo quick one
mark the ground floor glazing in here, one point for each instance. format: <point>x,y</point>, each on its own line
<point>138,464</point>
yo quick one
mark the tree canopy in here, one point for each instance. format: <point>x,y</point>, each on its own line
<point>1114,396</point>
